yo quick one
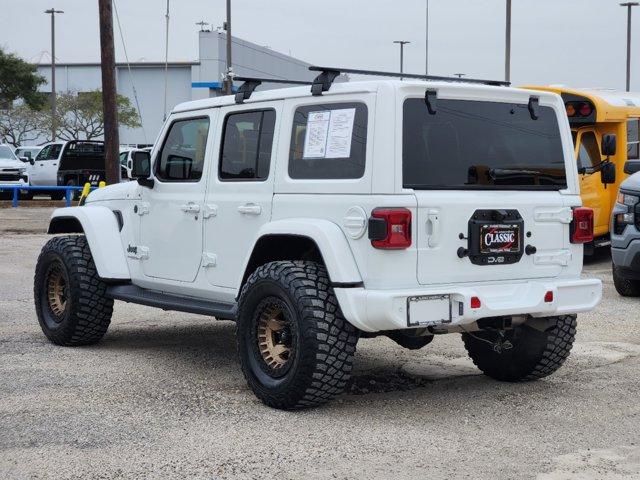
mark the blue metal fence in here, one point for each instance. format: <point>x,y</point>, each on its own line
<point>20,188</point>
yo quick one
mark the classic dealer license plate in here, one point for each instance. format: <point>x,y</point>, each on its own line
<point>428,310</point>
<point>500,238</point>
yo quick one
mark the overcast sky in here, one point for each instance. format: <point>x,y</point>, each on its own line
<point>575,42</point>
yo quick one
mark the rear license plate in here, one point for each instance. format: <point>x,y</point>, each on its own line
<point>428,310</point>
<point>500,238</point>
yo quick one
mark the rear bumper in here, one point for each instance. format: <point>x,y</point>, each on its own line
<point>376,310</point>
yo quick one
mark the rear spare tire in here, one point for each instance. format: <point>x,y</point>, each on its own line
<point>295,347</point>
<point>70,299</point>
<point>523,352</point>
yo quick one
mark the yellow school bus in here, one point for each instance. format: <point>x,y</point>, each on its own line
<point>594,115</point>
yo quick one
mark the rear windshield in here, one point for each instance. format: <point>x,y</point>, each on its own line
<point>481,145</point>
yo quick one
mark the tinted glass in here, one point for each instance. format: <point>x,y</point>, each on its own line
<point>485,145</point>
<point>633,135</point>
<point>182,156</point>
<point>329,141</point>
<point>247,144</point>
<point>589,153</point>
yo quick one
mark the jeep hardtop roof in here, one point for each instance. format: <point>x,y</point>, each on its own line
<point>448,88</point>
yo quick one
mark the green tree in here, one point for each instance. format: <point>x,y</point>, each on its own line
<point>19,81</point>
<point>80,115</point>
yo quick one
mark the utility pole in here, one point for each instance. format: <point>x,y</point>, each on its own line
<point>402,43</point>
<point>52,12</point>
<point>629,6</point>
<point>109,99</point>
<point>228,77</point>
<point>426,42</point>
<point>507,44</point>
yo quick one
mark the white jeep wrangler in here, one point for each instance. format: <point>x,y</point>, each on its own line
<point>311,218</point>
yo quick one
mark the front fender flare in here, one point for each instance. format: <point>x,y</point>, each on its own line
<point>100,227</point>
<point>329,239</point>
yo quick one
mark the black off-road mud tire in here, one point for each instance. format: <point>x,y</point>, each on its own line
<point>625,286</point>
<point>79,312</point>
<point>533,354</point>
<point>321,342</point>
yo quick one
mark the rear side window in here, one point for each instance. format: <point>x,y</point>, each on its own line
<point>481,145</point>
<point>182,156</point>
<point>328,141</point>
<point>246,146</point>
<point>633,139</point>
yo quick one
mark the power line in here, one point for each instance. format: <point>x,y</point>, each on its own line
<point>126,57</point>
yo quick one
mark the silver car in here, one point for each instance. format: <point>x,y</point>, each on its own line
<point>625,238</point>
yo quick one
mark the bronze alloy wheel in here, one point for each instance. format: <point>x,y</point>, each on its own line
<point>274,337</point>
<point>57,291</point>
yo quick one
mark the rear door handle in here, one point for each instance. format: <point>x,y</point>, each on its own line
<point>190,208</point>
<point>433,227</point>
<point>250,209</point>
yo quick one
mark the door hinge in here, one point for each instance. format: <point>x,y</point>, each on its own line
<point>210,210</point>
<point>138,252</point>
<point>559,257</point>
<point>561,215</point>
<point>209,259</point>
<point>141,208</point>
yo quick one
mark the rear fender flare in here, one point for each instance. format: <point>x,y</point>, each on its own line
<point>330,240</point>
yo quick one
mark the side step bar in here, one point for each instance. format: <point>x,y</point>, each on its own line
<point>168,301</point>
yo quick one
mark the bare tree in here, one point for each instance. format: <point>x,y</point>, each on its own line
<point>21,125</point>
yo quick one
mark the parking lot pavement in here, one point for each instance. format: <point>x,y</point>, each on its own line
<point>163,396</point>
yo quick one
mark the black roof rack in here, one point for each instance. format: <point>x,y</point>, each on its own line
<point>251,83</point>
<point>323,81</point>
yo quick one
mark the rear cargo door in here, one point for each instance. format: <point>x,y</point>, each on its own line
<point>487,178</point>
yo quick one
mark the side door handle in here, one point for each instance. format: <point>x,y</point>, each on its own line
<point>250,209</point>
<point>190,208</point>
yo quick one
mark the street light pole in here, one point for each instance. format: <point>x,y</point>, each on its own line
<point>228,80</point>
<point>507,43</point>
<point>402,43</point>
<point>629,6</point>
<point>426,42</point>
<point>52,12</point>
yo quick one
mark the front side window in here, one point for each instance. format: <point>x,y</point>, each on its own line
<point>246,146</point>
<point>183,151</point>
<point>328,141</point>
<point>481,145</point>
<point>633,139</point>
<point>123,158</point>
<point>50,152</point>
<point>589,153</point>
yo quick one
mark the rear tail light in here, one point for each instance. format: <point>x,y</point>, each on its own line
<point>390,228</point>
<point>548,297</point>
<point>582,225</point>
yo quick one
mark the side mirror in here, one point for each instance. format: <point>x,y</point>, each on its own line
<point>24,159</point>
<point>631,167</point>
<point>608,145</point>
<point>32,161</point>
<point>608,173</point>
<point>141,168</point>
